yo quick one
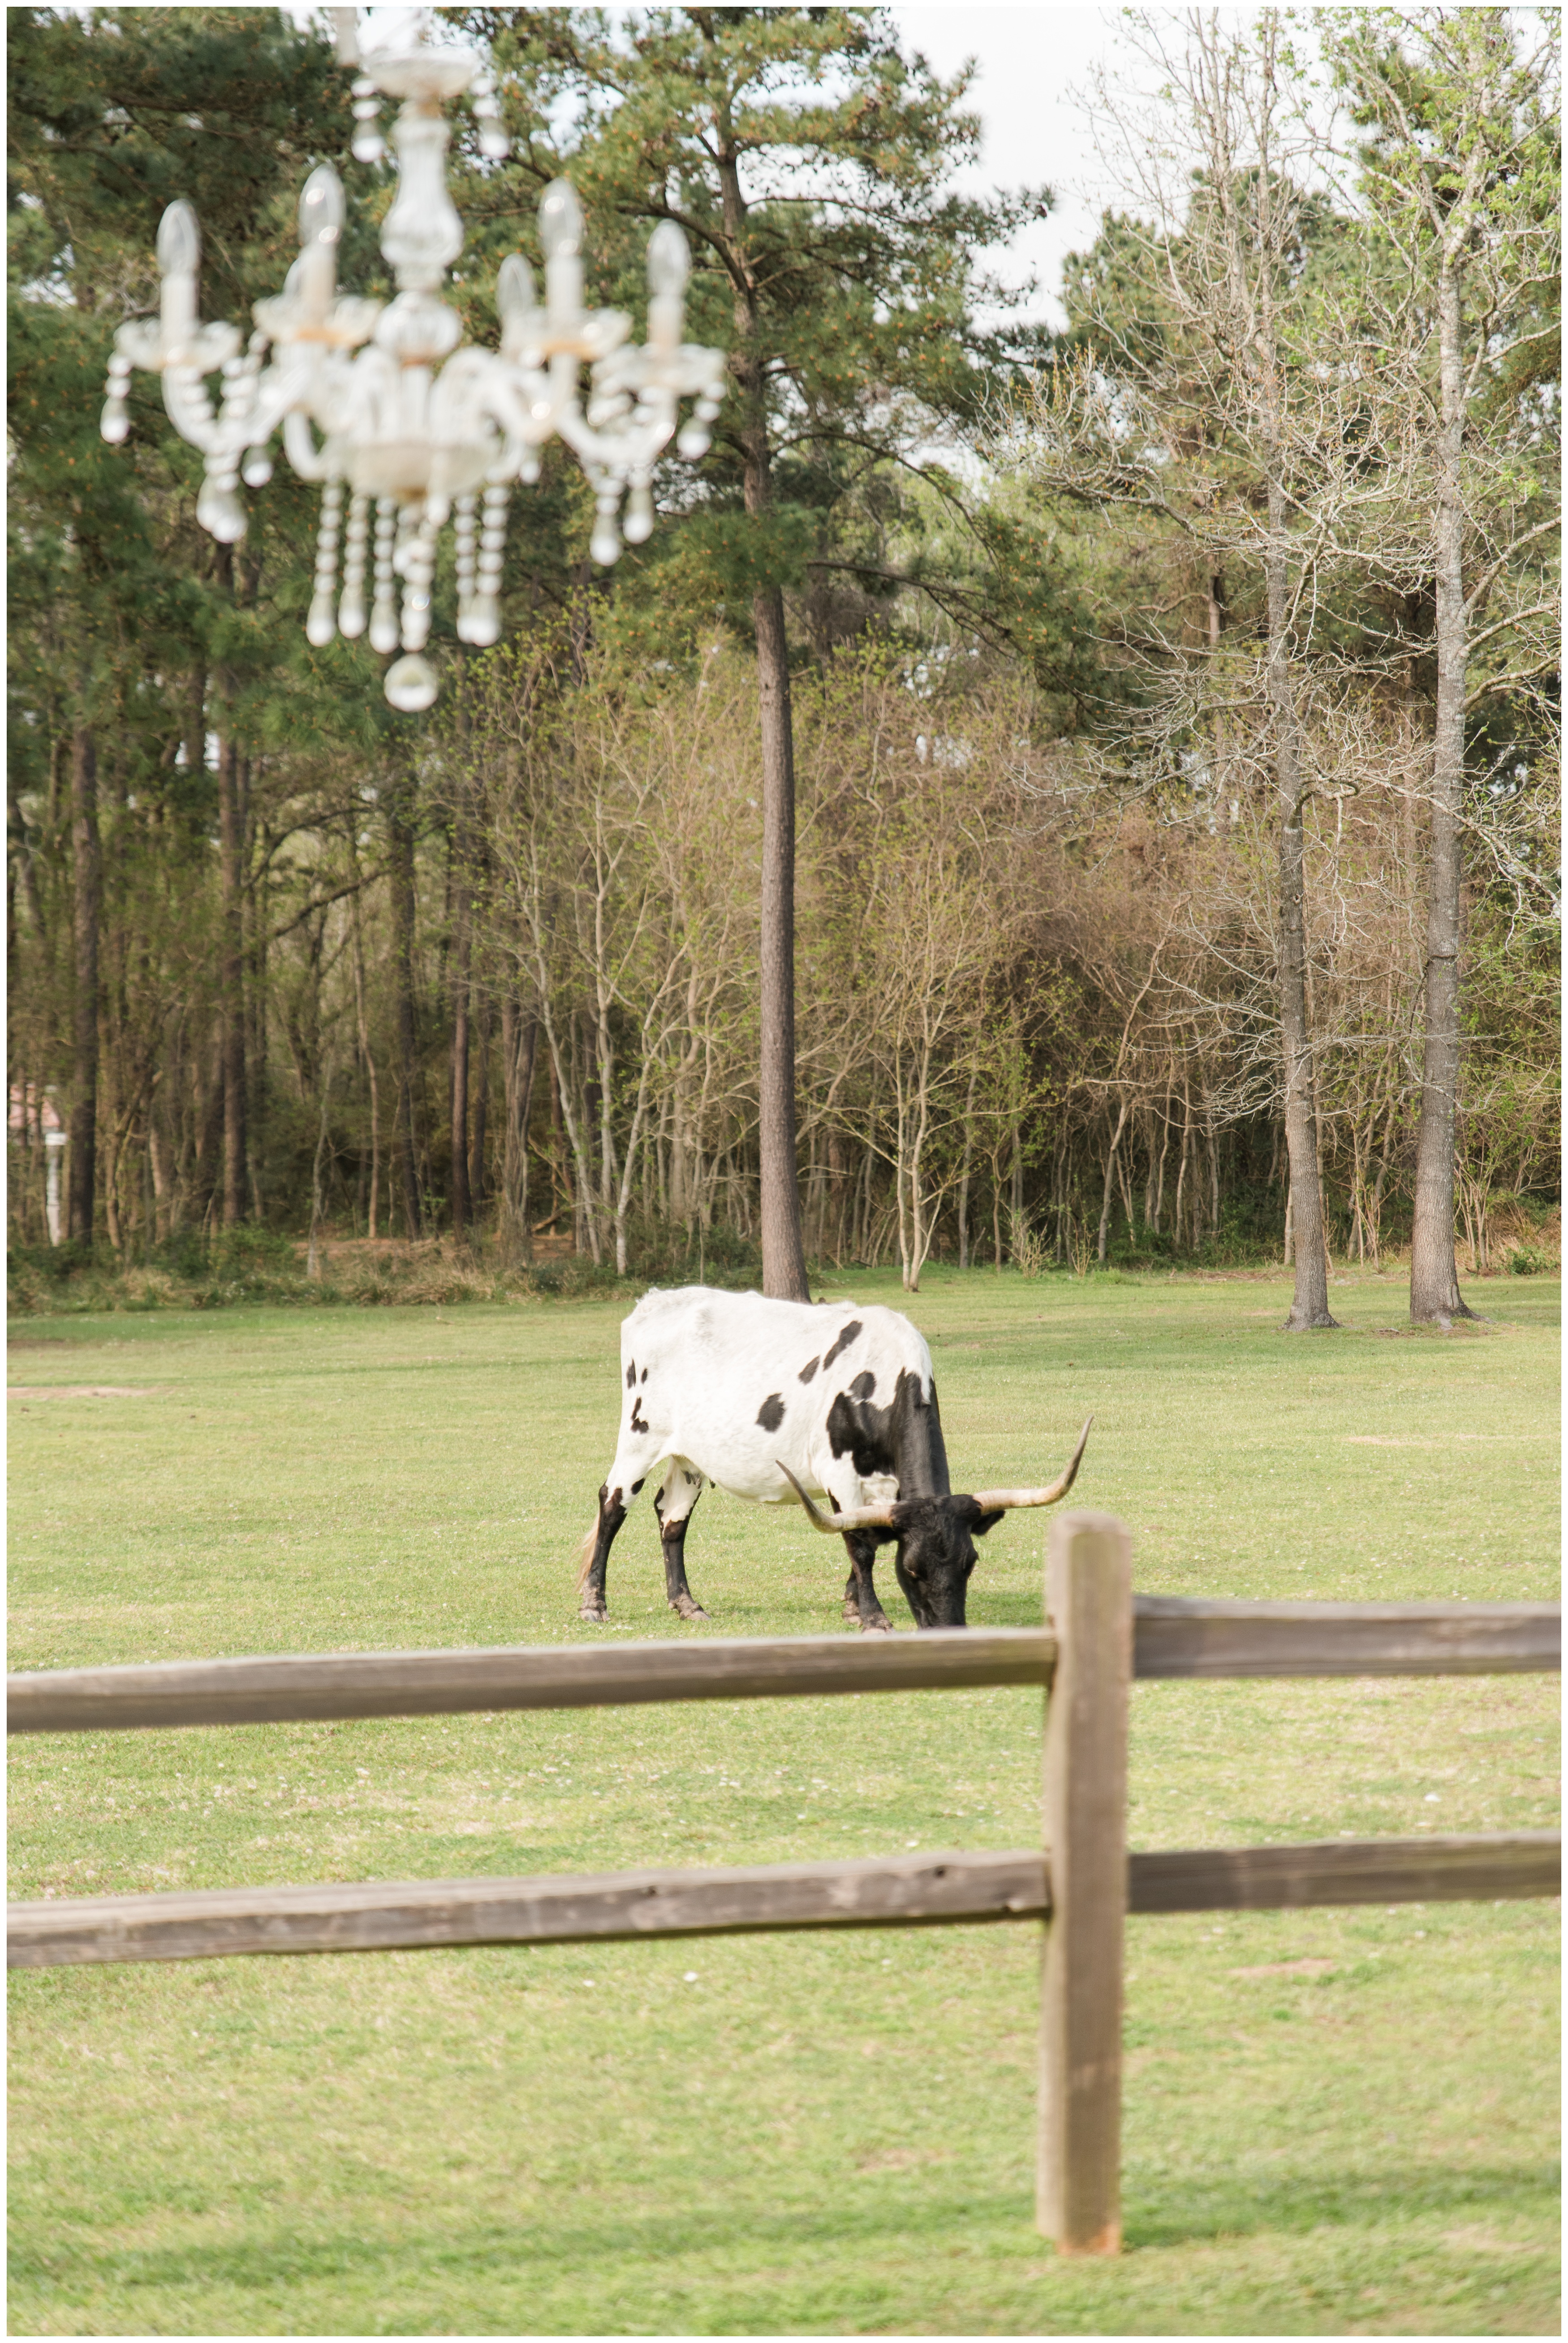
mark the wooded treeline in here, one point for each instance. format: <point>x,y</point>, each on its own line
<point>1117,668</point>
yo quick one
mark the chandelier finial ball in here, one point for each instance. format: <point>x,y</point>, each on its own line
<point>412,685</point>
<point>221,514</point>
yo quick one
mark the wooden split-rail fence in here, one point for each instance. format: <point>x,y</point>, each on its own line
<point>1081,1881</point>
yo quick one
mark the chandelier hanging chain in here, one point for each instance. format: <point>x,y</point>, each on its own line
<point>387,402</point>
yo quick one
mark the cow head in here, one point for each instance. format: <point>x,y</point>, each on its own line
<point>935,1554</point>
<point>934,1537</point>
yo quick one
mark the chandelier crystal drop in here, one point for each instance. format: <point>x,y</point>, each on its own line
<point>406,426</point>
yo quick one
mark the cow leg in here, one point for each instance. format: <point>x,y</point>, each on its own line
<point>628,1477</point>
<point>860,1594</point>
<point>596,1551</point>
<point>674,1506</point>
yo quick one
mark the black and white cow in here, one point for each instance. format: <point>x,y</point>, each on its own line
<point>777,1401</point>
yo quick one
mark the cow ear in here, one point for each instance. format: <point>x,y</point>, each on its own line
<point>894,1530</point>
<point>984,1522</point>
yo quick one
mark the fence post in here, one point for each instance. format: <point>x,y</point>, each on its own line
<point>1088,1603</point>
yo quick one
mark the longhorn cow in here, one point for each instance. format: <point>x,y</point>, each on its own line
<point>783,1401</point>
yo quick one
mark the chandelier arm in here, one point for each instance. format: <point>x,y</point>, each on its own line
<point>310,462</point>
<point>290,382</point>
<point>498,395</point>
<point>190,410</point>
<point>617,452</point>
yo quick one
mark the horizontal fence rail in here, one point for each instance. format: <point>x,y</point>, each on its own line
<point>1480,1869</point>
<point>902,1891</point>
<point>1176,1636</point>
<point>1084,1882</point>
<point>1173,1637</point>
<point>571,1675</point>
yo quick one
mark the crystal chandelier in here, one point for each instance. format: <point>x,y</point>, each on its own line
<point>384,402</point>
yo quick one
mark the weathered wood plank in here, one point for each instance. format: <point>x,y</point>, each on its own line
<point>271,1689</point>
<point>1089,1602</point>
<point>917,1890</point>
<point>900,1891</point>
<point>1174,1635</point>
<point>1347,1871</point>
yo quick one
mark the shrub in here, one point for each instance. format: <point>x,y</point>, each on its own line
<point>1530,1261</point>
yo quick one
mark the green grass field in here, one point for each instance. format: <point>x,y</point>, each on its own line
<point>1336,2122</point>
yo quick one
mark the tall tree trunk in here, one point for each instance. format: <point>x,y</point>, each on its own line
<point>1309,1302</point>
<point>519,1053</point>
<point>231,979</point>
<point>1109,1176</point>
<point>255,999</point>
<point>967,1168</point>
<point>318,1186</point>
<point>1435,1295</point>
<point>87,909</point>
<point>479,1086</point>
<point>401,830</point>
<point>458,1178</point>
<point>369,1058</point>
<point>783,1251</point>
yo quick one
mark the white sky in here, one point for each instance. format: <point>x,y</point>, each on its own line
<point>1030,56</point>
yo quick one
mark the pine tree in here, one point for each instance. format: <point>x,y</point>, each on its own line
<point>811,163</point>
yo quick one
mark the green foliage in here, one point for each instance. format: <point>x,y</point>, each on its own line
<point>1533,1261</point>
<point>812,161</point>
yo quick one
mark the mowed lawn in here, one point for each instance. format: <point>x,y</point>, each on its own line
<point>1336,2122</point>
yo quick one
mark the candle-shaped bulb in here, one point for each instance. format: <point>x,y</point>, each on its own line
<point>560,221</point>
<point>321,207</point>
<point>669,260</point>
<point>179,241</point>
<point>514,299</point>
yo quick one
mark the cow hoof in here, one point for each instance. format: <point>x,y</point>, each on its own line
<point>876,1627</point>
<point>594,1618</point>
<point>851,1609</point>
<point>690,1610</point>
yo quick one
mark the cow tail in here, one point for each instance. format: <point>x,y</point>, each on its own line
<point>585,1559</point>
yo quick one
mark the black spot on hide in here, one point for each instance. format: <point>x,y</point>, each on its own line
<point>637,1422</point>
<point>637,1487</point>
<point>846,1336</point>
<point>630,1373</point>
<point>905,1438</point>
<point>770,1414</point>
<point>864,1384</point>
<point>809,1369</point>
<point>645,1375</point>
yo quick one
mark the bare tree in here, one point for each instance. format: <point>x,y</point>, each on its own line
<point>1462,179</point>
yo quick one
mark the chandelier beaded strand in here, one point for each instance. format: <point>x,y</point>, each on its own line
<point>387,401</point>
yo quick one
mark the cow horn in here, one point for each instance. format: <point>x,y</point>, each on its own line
<point>1002,1500</point>
<point>861,1517</point>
